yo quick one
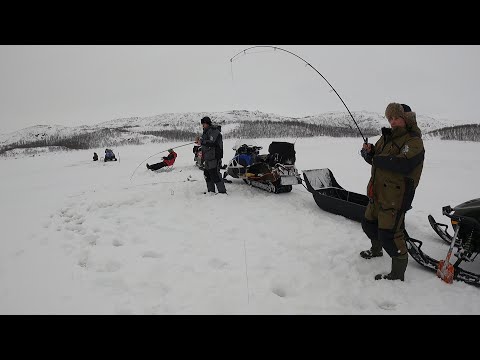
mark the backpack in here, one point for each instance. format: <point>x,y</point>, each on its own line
<point>219,147</point>
<point>219,144</point>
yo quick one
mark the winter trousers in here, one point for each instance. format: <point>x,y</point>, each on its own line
<point>157,166</point>
<point>213,177</point>
<point>385,228</point>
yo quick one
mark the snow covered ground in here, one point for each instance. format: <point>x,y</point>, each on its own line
<point>78,237</point>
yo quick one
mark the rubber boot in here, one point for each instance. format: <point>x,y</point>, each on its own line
<point>399,266</point>
<point>210,186</point>
<point>374,251</point>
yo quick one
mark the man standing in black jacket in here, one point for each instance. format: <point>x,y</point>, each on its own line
<point>212,153</point>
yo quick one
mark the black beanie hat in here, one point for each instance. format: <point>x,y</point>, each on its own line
<point>206,120</point>
<point>406,108</point>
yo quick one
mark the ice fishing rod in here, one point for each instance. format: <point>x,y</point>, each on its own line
<point>291,53</point>
<point>157,154</point>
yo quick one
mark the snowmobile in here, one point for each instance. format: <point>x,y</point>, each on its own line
<point>274,172</point>
<point>465,220</point>
<point>333,198</point>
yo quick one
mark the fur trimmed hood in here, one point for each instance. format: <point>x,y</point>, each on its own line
<point>401,110</point>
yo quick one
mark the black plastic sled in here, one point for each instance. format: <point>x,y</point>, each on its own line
<point>274,172</point>
<point>333,198</point>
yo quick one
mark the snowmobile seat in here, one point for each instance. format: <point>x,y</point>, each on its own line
<point>259,169</point>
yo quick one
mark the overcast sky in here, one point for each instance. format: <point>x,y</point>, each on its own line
<point>76,84</point>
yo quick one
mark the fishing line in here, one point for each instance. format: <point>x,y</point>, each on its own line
<point>307,64</point>
<point>157,154</point>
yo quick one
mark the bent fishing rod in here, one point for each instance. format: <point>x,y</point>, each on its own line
<point>157,154</point>
<point>291,53</point>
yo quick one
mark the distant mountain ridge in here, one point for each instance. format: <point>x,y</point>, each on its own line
<point>190,122</point>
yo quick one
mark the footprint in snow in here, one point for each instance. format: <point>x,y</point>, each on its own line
<point>152,254</point>
<point>387,305</point>
<point>117,242</point>
<point>217,263</point>
<point>279,292</point>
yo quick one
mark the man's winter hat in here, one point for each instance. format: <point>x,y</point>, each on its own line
<point>170,150</point>
<point>395,110</point>
<point>206,120</point>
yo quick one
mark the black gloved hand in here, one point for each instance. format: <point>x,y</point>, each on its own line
<point>366,150</point>
<point>364,153</point>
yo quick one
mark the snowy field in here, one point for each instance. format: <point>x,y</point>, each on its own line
<point>78,237</point>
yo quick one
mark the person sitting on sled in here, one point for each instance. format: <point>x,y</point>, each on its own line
<point>167,161</point>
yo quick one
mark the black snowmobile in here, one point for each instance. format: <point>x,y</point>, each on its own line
<point>331,197</point>
<point>274,172</point>
<point>465,221</point>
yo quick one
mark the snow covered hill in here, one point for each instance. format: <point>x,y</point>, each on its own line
<point>190,122</point>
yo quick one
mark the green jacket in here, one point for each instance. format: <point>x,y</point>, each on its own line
<point>397,163</point>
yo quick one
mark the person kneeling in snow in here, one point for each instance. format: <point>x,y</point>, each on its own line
<point>167,161</point>
<point>109,155</point>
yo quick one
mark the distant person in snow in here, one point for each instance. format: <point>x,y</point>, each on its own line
<point>167,161</point>
<point>95,156</point>
<point>397,163</point>
<point>212,154</point>
<point>109,156</point>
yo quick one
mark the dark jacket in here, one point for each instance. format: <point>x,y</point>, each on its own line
<point>212,143</point>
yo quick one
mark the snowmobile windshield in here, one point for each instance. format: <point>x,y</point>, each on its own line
<point>245,143</point>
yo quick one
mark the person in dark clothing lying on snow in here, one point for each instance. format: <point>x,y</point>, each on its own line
<point>397,163</point>
<point>167,161</point>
